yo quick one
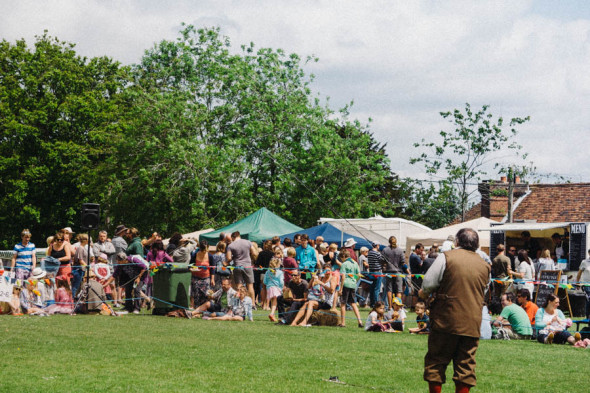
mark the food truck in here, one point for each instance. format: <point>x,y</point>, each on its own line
<point>575,240</point>
<point>575,236</point>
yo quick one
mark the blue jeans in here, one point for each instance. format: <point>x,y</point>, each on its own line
<point>375,289</point>
<point>77,276</point>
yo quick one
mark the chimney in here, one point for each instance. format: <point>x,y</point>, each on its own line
<point>494,197</point>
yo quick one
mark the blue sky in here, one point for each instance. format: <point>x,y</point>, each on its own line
<point>400,62</point>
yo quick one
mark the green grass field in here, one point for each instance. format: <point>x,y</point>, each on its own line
<point>139,353</point>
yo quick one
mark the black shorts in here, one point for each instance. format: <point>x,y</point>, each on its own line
<point>324,306</point>
<point>348,296</point>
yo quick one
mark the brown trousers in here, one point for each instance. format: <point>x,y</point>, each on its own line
<point>444,347</point>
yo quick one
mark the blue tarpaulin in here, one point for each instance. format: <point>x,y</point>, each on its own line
<point>331,234</point>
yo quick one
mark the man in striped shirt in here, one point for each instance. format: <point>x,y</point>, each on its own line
<point>375,260</point>
<point>23,259</point>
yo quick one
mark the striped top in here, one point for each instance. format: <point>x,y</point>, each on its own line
<point>375,259</point>
<point>24,255</point>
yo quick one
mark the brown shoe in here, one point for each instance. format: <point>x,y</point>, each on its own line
<point>549,338</point>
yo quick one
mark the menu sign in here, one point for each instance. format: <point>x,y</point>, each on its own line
<point>578,245</point>
<point>496,237</point>
<point>551,279</point>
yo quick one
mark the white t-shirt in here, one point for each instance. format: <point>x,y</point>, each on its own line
<point>529,275</point>
<point>552,326</point>
<point>585,269</point>
<point>546,264</point>
<point>369,323</point>
<point>446,246</point>
<point>402,315</point>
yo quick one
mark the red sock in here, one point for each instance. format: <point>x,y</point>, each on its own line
<point>434,387</point>
<point>461,388</point>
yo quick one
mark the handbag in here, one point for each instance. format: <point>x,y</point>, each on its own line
<point>287,293</point>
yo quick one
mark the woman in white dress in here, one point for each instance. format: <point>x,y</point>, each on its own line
<point>526,271</point>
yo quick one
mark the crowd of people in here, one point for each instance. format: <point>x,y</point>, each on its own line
<point>300,281</point>
<point>305,282</point>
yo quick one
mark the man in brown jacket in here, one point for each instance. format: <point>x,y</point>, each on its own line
<point>457,281</point>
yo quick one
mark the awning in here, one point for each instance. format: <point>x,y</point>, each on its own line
<point>526,226</point>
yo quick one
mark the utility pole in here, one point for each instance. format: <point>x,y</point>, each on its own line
<point>510,193</point>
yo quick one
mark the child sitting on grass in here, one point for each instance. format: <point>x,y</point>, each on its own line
<point>241,308</point>
<point>421,319</point>
<point>375,319</point>
<point>274,281</point>
<point>30,302</point>
<point>396,316</point>
<point>64,304</point>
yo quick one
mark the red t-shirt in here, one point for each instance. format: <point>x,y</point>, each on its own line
<point>202,273</point>
<point>290,265</point>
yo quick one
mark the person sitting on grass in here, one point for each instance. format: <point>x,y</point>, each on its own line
<point>396,317</point>
<point>64,303</point>
<point>30,303</point>
<point>524,300</point>
<point>274,282</point>
<point>551,324</point>
<point>513,322</point>
<point>299,288</point>
<point>375,319</point>
<point>12,307</point>
<point>240,308</point>
<point>421,319</point>
<point>219,303</point>
<point>350,275</point>
<point>320,296</point>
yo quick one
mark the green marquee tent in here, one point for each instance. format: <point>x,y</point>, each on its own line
<point>257,227</point>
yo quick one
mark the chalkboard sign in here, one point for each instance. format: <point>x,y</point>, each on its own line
<point>577,245</point>
<point>496,237</point>
<point>552,277</point>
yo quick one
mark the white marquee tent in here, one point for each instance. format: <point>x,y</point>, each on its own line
<point>192,235</point>
<point>378,228</point>
<point>481,225</point>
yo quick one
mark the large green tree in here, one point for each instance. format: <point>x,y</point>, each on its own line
<point>434,204</point>
<point>477,144</point>
<point>213,134</point>
<point>54,109</point>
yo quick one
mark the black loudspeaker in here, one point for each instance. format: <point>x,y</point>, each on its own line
<point>90,215</point>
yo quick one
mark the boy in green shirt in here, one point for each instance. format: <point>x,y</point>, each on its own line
<point>350,275</point>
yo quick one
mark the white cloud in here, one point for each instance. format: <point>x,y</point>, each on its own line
<point>401,62</point>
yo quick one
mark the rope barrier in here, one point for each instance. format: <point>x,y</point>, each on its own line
<point>260,314</point>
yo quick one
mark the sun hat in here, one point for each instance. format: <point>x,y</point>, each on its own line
<point>102,271</point>
<point>38,273</point>
<point>398,301</point>
<point>349,242</point>
<point>102,255</point>
<point>119,229</point>
<point>68,229</point>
